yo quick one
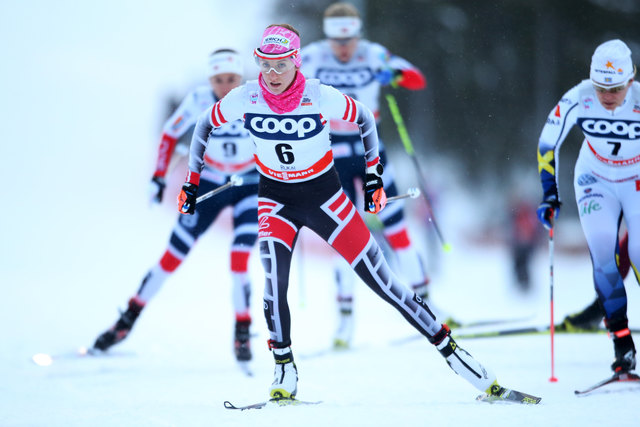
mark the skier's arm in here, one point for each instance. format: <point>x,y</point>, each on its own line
<point>174,127</point>
<point>227,109</point>
<point>397,71</point>
<point>559,122</point>
<point>346,108</point>
<point>182,119</point>
<point>337,105</point>
<point>407,76</point>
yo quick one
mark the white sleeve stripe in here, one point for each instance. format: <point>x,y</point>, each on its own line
<point>201,141</point>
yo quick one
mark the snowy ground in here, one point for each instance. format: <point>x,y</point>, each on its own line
<point>176,368</point>
<point>82,86</point>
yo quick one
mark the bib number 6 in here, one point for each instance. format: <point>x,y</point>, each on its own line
<point>285,153</point>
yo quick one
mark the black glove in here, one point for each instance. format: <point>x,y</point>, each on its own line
<point>156,189</point>
<point>187,198</point>
<point>549,210</point>
<point>375,199</point>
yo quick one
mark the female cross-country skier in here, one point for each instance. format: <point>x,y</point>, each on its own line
<point>607,178</point>
<point>287,116</point>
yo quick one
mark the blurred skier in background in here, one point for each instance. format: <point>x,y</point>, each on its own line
<point>606,183</point>
<point>230,152</point>
<point>287,116</point>
<point>523,240</point>
<point>359,68</point>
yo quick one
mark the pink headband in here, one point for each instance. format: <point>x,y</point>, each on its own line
<point>280,43</point>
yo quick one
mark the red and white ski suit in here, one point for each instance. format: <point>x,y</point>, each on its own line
<point>299,187</point>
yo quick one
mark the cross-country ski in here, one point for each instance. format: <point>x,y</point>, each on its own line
<point>272,402</point>
<point>526,330</point>
<point>623,378</point>
<point>499,394</point>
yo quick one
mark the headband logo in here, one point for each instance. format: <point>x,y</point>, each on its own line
<point>277,40</point>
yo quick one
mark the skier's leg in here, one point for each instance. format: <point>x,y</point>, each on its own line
<point>347,163</point>
<point>245,230</point>
<point>345,279</point>
<point>599,220</point>
<point>521,256</point>
<point>600,208</point>
<point>622,256</point>
<point>590,317</point>
<point>409,262</point>
<point>408,259</point>
<point>343,228</point>
<point>624,347</point>
<point>277,239</point>
<point>184,235</point>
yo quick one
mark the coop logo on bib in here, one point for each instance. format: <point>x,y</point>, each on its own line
<point>345,79</point>
<point>603,128</point>
<point>273,127</point>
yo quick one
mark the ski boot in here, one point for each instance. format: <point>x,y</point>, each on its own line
<point>583,321</point>
<point>624,349</point>
<point>462,362</point>
<point>242,344</point>
<point>285,382</point>
<point>122,327</point>
<point>477,375</point>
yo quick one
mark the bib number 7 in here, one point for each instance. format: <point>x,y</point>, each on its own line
<point>616,147</point>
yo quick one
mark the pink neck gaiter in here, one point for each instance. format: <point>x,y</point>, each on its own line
<point>288,100</point>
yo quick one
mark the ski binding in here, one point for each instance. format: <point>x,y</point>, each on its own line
<point>499,394</point>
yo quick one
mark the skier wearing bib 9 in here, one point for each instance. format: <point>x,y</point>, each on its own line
<point>359,68</point>
<point>607,178</point>
<point>287,116</point>
<point>230,152</point>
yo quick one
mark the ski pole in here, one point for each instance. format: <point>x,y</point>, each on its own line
<point>234,181</point>
<point>553,378</point>
<point>411,193</point>
<point>408,147</point>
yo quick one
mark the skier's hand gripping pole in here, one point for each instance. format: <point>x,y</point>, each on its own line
<point>408,146</point>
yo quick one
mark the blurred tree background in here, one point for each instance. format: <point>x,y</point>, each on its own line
<point>494,69</point>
